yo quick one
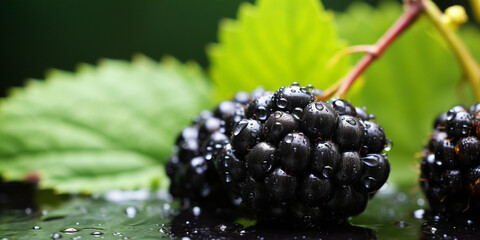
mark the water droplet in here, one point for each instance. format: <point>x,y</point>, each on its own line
<point>70,230</point>
<point>56,236</point>
<point>418,214</point>
<point>298,113</point>
<point>278,115</point>
<point>208,156</point>
<point>36,228</point>
<point>289,138</point>
<point>319,106</point>
<point>251,195</point>
<point>239,127</point>
<point>222,227</point>
<point>351,121</point>
<point>282,103</point>
<point>277,128</point>
<point>242,232</point>
<point>327,171</point>
<point>228,177</point>
<point>296,84</point>
<point>196,211</point>
<point>401,224</point>
<point>310,87</point>
<point>369,182</point>
<point>261,113</point>
<point>304,90</point>
<point>254,133</point>
<point>186,238</point>
<point>389,145</point>
<point>96,234</point>
<point>28,211</point>
<point>371,160</point>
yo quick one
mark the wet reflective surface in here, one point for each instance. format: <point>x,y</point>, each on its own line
<point>393,214</point>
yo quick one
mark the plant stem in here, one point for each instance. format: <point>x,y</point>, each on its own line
<point>466,60</point>
<point>407,18</point>
<point>476,9</point>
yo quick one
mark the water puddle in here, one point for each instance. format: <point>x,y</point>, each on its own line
<point>392,214</point>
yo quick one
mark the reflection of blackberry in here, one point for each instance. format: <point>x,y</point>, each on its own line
<point>450,168</point>
<point>305,160</point>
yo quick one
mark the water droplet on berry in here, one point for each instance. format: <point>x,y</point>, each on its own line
<point>239,127</point>
<point>351,121</point>
<point>277,128</point>
<point>282,103</point>
<point>319,106</point>
<point>369,182</point>
<point>389,145</point>
<point>371,160</point>
<point>296,84</point>
<point>310,87</point>
<point>327,171</point>
<point>278,115</point>
<point>208,156</point>
<point>298,113</point>
<point>289,138</point>
<point>228,177</point>
<point>261,113</point>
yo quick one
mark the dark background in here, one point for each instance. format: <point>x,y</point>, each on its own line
<point>37,35</point>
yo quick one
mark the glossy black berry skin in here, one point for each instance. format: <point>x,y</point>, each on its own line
<point>310,162</point>
<point>450,166</point>
<point>287,157</point>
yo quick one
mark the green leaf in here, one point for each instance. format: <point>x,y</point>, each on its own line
<point>414,81</point>
<point>102,128</point>
<point>275,43</point>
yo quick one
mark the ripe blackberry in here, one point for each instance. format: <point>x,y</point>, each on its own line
<point>307,160</point>
<point>450,166</point>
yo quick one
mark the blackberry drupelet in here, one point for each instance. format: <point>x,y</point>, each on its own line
<point>306,161</point>
<point>450,166</point>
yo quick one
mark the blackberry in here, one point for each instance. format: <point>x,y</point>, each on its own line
<point>306,161</point>
<point>450,175</point>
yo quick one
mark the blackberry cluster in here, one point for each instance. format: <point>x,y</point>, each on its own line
<point>291,158</point>
<point>450,168</point>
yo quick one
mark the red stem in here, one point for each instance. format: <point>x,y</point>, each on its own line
<point>407,18</point>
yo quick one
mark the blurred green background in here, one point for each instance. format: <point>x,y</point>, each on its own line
<point>39,35</point>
